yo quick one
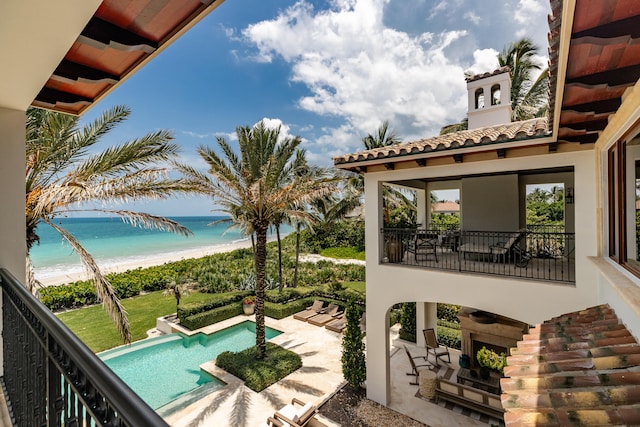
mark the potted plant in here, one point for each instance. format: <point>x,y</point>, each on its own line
<point>489,359</point>
<point>248,304</point>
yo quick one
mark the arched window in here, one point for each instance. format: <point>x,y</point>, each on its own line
<point>495,95</point>
<point>479,98</point>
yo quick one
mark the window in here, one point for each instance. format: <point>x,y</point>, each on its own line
<point>495,95</point>
<point>479,98</point>
<point>623,164</point>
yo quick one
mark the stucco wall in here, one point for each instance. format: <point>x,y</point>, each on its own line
<point>526,300</point>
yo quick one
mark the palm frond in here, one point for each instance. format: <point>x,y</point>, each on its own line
<point>105,292</point>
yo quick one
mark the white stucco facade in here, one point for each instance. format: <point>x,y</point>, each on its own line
<point>530,301</point>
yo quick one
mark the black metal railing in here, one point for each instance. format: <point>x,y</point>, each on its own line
<point>51,378</point>
<point>527,254</point>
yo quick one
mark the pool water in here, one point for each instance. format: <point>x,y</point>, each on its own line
<point>164,368</point>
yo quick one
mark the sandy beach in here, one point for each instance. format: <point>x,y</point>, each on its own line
<point>143,263</point>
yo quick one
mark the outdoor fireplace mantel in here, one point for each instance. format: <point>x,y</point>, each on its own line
<point>502,334</point>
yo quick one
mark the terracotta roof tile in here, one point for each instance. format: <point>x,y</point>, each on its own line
<point>509,132</point>
<point>582,368</point>
<point>500,70</point>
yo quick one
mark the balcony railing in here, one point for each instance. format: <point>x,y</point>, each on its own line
<point>51,378</point>
<point>533,254</point>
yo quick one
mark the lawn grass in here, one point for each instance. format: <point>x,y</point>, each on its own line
<point>343,253</point>
<point>356,286</point>
<point>95,328</point>
<point>260,374</point>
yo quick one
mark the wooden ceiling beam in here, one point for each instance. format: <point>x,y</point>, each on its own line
<point>587,125</point>
<point>102,34</point>
<point>71,72</point>
<point>615,77</point>
<point>621,28</point>
<point>52,97</point>
<point>598,107</point>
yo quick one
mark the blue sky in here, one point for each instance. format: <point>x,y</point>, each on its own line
<point>328,71</point>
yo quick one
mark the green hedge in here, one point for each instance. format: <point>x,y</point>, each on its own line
<point>450,337</point>
<point>260,374</point>
<point>446,324</point>
<point>210,317</point>
<point>288,294</point>
<point>280,311</point>
<point>73,295</point>
<point>217,300</point>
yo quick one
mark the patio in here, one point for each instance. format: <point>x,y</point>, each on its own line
<point>318,379</point>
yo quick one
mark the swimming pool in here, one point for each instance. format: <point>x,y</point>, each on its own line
<point>164,368</point>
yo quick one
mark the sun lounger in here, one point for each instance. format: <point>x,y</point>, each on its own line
<point>313,310</point>
<point>296,417</point>
<point>321,319</point>
<point>338,324</point>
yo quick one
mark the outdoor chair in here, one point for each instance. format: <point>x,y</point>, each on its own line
<point>434,347</point>
<point>423,246</point>
<point>496,250</point>
<point>414,367</point>
<point>313,310</point>
<point>338,324</point>
<point>331,313</point>
<point>296,417</point>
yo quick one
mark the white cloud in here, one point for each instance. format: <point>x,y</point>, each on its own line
<point>473,17</point>
<point>528,9</point>
<point>358,69</point>
<point>484,60</point>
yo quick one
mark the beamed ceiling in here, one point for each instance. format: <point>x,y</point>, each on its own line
<point>603,61</point>
<point>121,36</point>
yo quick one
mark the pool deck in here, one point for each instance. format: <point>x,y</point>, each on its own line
<point>237,405</point>
<point>318,379</point>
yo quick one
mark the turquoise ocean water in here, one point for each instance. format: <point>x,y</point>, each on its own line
<point>111,241</point>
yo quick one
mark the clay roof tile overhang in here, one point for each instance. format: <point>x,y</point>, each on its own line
<point>121,37</point>
<point>603,60</point>
<point>581,368</point>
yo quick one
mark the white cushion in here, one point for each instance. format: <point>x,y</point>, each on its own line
<point>306,408</point>
<point>290,412</point>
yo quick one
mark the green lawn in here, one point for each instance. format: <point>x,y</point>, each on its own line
<point>343,253</point>
<point>356,286</point>
<point>94,327</point>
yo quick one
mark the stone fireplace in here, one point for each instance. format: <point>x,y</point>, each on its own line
<point>495,332</point>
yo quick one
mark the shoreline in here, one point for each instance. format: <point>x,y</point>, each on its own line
<point>150,261</point>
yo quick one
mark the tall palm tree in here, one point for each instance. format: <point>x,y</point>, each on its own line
<point>528,97</point>
<point>255,188</point>
<point>63,176</point>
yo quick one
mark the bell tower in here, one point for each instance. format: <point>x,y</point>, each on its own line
<point>489,97</point>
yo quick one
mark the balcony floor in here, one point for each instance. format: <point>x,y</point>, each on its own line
<point>547,269</point>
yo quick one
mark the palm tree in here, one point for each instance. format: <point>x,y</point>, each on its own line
<point>528,98</point>
<point>383,137</point>
<point>63,176</point>
<point>255,188</point>
<point>177,290</point>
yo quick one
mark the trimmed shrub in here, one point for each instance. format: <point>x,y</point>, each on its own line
<point>450,337</point>
<point>288,294</point>
<point>452,325</point>
<point>280,311</point>
<point>210,317</point>
<point>408,322</point>
<point>219,300</point>
<point>354,367</point>
<point>259,374</point>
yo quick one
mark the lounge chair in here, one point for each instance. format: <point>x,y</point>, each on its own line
<point>330,314</point>
<point>296,417</point>
<point>434,347</point>
<point>313,310</point>
<point>494,251</point>
<point>338,324</point>
<point>414,367</point>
